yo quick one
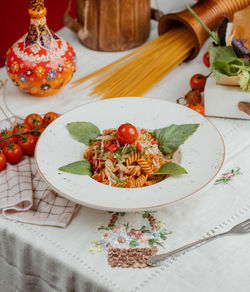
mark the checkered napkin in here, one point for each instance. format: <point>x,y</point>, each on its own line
<point>24,196</point>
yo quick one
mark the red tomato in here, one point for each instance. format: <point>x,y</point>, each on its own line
<point>20,128</point>
<point>112,148</point>
<point>13,153</point>
<point>199,108</point>
<point>2,161</point>
<point>99,142</point>
<point>155,142</point>
<point>198,82</point>
<point>28,144</point>
<point>107,144</point>
<point>127,134</point>
<point>138,147</point>
<point>34,121</point>
<point>193,97</point>
<point>143,131</point>
<point>99,178</point>
<point>38,132</point>
<point>49,118</point>
<point>95,163</point>
<point>3,135</point>
<point>206,59</point>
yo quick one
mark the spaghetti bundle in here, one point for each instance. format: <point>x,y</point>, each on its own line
<point>136,73</point>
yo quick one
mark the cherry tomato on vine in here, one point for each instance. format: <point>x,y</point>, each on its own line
<point>2,161</point>
<point>34,121</point>
<point>206,59</point>
<point>3,135</point>
<point>27,144</point>
<point>13,153</point>
<point>127,134</point>
<point>38,132</point>
<point>49,118</point>
<point>193,97</point>
<point>20,128</point>
<point>198,81</point>
<point>199,108</point>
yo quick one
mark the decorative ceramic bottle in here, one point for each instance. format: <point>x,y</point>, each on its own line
<point>40,62</point>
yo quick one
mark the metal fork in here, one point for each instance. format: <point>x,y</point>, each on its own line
<point>241,228</point>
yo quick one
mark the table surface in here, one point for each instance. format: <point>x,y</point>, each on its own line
<point>60,258</point>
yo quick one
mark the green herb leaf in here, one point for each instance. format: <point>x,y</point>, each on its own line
<point>170,138</point>
<point>133,243</point>
<point>83,132</point>
<point>151,242</point>
<point>81,167</point>
<point>171,168</point>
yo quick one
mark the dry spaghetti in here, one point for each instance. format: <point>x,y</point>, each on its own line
<point>136,73</point>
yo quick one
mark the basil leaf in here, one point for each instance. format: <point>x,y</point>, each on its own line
<point>171,168</point>
<point>170,138</point>
<point>83,132</point>
<point>81,167</point>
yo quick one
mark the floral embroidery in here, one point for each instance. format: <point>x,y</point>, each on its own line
<point>45,86</point>
<point>127,236</point>
<point>227,177</point>
<point>51,75</point>
<point>14,66</point>
<point>40,71</point>
<point>35,49</point>
<point>22,78</point>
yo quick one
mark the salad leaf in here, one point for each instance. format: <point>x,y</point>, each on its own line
<point>83,132</point>
<point>82,167</point>
<point>171,168</point>
<point>224,61</point>
<point>245,80</point>
<point>170,138</point>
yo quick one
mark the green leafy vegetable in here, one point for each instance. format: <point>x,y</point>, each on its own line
<point>82,167</point>
<point>171,168</point>
<point>170,138</point>
<point>83,132</point>
<point>224,61</point>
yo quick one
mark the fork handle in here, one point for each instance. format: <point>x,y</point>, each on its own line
<point>158,259</point>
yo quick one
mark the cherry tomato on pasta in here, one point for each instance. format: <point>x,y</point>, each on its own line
<point>13,153</point>
<point>198,82</point>
<point>49,118</point>
<point>127,134</point>
<point>2,161</point>
<point>28,144</point>
<point>113,147</point>
<point>199,108</point>
<point>138,147</point>
<point>206,59</point>
<point>34,121</point>
<point>5,134</point>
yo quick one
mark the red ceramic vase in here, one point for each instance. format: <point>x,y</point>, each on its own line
<point>40,63</point>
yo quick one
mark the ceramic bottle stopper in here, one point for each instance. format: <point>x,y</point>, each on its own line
<point>40,63</point>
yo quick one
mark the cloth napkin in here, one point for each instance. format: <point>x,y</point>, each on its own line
<point>24,196</point>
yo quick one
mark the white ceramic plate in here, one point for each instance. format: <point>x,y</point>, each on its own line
<point>202,154</point>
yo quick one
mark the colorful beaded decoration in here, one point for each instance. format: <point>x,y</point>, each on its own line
<point>40,63</point>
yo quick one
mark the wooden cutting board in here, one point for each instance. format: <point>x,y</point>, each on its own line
<point>224,101</point>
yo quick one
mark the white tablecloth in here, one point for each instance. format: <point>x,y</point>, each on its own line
<point>37,258</point>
